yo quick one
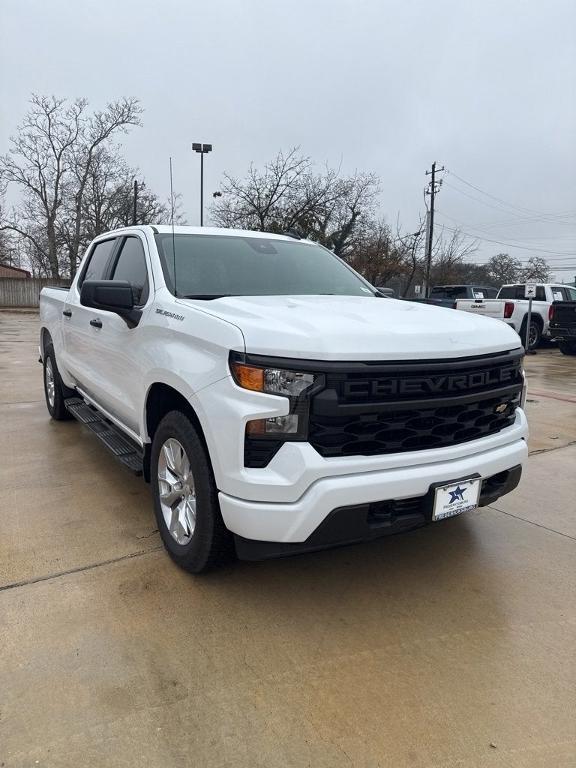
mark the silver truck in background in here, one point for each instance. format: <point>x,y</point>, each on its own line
<point>511,306</point>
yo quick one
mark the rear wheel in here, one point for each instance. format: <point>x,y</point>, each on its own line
<point>54,390</point>
<point>567,347</point>
<point>185,497</point>
<point>535,335</point>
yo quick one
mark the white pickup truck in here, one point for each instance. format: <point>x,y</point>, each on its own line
<point>273,399</point>
<point>511,306</point>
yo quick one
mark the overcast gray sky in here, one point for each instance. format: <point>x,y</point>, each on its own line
<point>487,88</point>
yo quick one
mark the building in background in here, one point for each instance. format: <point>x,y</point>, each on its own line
<point>8,271</point>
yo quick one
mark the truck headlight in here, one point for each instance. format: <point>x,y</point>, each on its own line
<point>276,381</point>
<point>272,381</point>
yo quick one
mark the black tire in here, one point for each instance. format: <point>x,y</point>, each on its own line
<point>55,403</point>
<point>535,335</point>
<point>211,543</point>
<point>567,347</point>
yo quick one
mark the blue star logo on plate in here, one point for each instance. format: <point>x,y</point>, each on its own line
<point>457,495</point>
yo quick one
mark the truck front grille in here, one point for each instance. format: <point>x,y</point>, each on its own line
<point>375,409</point>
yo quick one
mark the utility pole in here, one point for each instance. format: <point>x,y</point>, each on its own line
<point>433,188</point>
<point>135,204</point>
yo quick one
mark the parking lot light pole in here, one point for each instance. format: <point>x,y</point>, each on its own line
<point>202,150</point>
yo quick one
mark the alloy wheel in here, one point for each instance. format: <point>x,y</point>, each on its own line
<point>50,383</point>
<point>177,491</point>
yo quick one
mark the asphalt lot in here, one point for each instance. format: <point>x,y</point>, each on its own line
<point>451,646</point>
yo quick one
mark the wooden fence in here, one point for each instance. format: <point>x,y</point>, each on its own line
<point>16,292</point>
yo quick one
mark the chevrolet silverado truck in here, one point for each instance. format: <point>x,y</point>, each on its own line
<point>511,306</point>
<point>273,399</point>
<point>563,324</point>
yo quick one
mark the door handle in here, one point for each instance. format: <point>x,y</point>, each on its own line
<point>96,323</point>
<point>67,313</point>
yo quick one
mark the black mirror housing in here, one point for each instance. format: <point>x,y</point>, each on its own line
<point>110,295</point>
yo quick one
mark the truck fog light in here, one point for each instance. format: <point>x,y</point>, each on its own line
<point>279,425</point>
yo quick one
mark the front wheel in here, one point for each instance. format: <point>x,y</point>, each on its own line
<point>185,497</point>
<point>567,347</point>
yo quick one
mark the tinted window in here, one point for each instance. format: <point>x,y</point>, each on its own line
<point>567,293</point>
<point>449,292</point>
<point>131,266</point>
<point>227,265</point>
<point>519,292</point>
<point>98,262</point>
<point>489,293</point>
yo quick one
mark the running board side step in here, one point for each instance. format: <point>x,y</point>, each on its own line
<point>124,449</point>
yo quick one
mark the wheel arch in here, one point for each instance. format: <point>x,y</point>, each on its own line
<point>161,398</point>
<point>534,318</point>
<point>45,340</point>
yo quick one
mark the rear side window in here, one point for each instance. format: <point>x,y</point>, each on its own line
<point>519,292</point>
<point>98,261</point>
<point>570,294</point>
<point>449,292</point>
<point>131,266</point>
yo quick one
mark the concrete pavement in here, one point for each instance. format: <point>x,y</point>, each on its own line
<point>451,646</point>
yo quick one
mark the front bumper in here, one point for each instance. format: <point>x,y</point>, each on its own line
<point>295,522</point>
<point>365,522</point>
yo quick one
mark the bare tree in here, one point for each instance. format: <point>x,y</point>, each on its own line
<point>289,194</point>
<point>377,255</point>
<point>504,269</point>
<point>265,199</point>
<point>50,160</point>
<point>536,269</point>
<point>449,255</point>
<point>96,130</point>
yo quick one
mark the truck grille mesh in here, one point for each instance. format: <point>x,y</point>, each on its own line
<point>361,414</point>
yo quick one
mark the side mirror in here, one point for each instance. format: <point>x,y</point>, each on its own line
<point>112,296</point>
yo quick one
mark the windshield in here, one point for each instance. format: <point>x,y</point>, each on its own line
<point>212,266</point>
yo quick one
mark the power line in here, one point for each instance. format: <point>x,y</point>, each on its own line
<point>499,199</point>
<point>548,219</point>
<point>477,228</point>
<point>511,245</point>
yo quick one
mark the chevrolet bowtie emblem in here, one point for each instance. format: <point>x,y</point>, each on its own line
<point>501,408</point>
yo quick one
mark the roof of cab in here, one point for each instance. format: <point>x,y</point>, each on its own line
<point>166,229</point>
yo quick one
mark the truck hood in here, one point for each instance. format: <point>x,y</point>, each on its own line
<point>358,328</point>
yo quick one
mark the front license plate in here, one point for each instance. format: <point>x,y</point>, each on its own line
<point>456,498</point>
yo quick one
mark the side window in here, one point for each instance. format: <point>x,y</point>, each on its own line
<point>540,293</point>
<point>570,294</point>
<point>98,261</point>
<point>131,266</point>
<point>509,292</point>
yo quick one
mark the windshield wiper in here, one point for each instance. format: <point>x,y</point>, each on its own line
<point>206,296</point>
